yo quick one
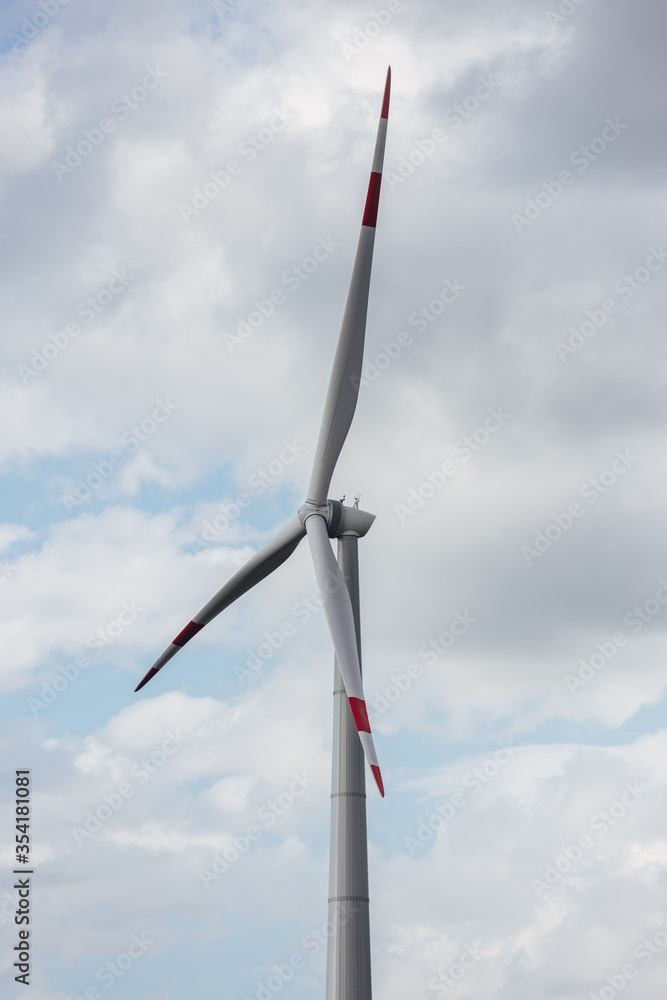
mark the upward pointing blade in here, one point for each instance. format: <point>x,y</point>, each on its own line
<point>340,618</point>
<point>341,399</point>
<point>256,569</point>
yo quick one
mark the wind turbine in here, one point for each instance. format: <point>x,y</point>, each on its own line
<point>348,959</point>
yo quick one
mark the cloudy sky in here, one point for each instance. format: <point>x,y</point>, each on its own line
<point>171,172</point>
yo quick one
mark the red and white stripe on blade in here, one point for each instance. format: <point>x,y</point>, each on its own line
<point>341,400</point>
<point>340,619</point>
<point>256,569</point>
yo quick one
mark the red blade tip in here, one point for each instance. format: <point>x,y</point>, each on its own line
<point>385,103</point>
<point>378,778</point>
<point>151,673</point>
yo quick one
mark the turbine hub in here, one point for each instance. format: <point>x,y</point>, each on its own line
<point>309,507</point>
<point>341,520</point>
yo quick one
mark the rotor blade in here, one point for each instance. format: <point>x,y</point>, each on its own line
<point>340,618</point>
<point>345,378</point>
<point>256,569</point>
